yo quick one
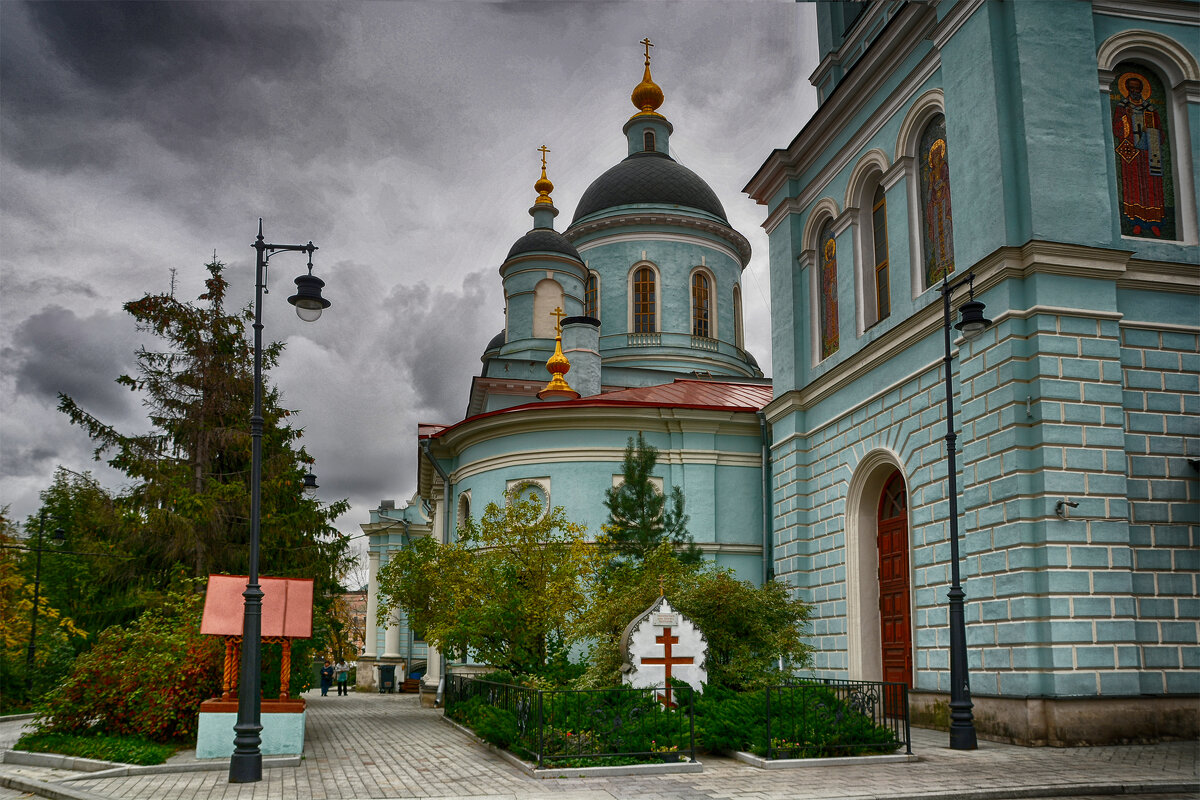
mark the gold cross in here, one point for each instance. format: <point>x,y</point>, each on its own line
<point>661,591</point>
<point>543,150</point>
<point>648,45</point>
<point>558,314</point>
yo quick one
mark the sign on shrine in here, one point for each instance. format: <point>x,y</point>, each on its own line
<point>661,646</point>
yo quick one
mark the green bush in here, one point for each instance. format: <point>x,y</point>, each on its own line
<point>145,680</point>
<point>122,749</point>
<point>808,723</point>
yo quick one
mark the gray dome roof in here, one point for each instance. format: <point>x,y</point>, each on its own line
<point>649,178</point>
<point>543,239</point>
<point>496,342</point>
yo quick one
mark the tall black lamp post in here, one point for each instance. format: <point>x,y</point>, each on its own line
<point>57,538</point>
<point>962,725</point>
<point>245,766</point>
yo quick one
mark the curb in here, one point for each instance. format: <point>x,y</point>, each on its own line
<point>30,758</point>
<point>842,761</point>
<point>580,772</point>
<point>126,770</point>
<point>43,789</point>
<point>1045,790</point>
<point>92,769</point>
<point>17,717</point>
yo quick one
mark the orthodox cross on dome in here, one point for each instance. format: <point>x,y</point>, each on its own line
<point>648,45</point>
<point>558,314</point>
<point>543,150</point>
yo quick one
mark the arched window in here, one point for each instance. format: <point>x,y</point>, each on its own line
<point>591,296</point>
<point>828,311</point>
<point>464,508</point>
<point>648,141</point>
<point>1142,146</point>
<point>879,239</point>
<point>701,305</point>
<point>738,335</point>
<point>645,318</point>
<point>937,229</point>
<point>547,296</point>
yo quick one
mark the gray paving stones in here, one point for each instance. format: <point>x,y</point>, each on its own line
<point>386,747</point>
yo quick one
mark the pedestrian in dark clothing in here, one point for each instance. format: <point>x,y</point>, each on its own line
<point>326,678</point>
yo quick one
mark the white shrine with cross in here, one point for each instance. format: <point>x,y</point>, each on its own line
<point>661,645</point>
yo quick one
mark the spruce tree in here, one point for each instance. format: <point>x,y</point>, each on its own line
<point>188,504</point>
<point>639,516</point>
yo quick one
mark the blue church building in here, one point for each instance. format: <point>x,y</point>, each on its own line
<point>1043,156</point>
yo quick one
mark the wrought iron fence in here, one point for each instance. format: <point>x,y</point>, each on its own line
<point>572,727</point>
<point>814,718</point>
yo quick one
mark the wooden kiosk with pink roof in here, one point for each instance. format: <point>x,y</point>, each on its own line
<point>286,615</point>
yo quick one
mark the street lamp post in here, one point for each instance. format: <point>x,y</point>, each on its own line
<point>57,538</point>
<point>962,725</point>
<point>245,766</point>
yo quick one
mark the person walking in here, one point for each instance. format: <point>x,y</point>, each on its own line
<point>341,673</point>
<point>326,678</point>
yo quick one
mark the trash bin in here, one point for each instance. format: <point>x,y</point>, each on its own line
<point>387,678</point>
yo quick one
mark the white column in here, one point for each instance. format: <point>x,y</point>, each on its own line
<point>433,669</point>
<point>391,638</point>
<point>372,603</point>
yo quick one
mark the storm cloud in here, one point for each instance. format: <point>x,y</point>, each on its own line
<point>137,139</point>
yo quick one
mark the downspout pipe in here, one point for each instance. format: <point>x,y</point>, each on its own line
<point>768,560</point>
<point>447,489</point>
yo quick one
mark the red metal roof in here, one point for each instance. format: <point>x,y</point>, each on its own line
<point>287,606</point>
<point>682,393</point>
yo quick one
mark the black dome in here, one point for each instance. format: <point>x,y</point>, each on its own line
<point>496,342</point>
<point>649,178</point>
<point>543,239</point>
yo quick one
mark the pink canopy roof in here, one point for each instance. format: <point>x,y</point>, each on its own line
<point>286,607</point>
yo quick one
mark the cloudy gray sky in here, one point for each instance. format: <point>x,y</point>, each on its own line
<point>400,137</point>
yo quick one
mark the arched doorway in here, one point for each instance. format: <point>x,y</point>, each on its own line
<point>895,620</point>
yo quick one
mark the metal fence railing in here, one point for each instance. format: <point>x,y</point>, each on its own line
<point>572,727</point>
<point>826,718</point>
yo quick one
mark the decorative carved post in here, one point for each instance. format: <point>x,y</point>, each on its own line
<point>285,669</point>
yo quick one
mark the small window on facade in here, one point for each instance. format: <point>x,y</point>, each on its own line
<point>883,302</point>
<point>701,305</point>
<point>648,141</point>
<point>644,320</point>
<point>591,296</point>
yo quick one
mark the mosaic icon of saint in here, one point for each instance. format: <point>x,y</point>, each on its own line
<point>1140,142</point>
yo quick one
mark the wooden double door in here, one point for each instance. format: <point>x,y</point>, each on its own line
<point>895,618</point>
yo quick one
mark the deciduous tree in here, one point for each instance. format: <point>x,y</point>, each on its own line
<point>508,589</point>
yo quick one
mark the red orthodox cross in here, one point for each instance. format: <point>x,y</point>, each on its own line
<point>666,640</point>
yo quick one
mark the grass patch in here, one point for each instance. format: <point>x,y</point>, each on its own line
<point>122,749</point>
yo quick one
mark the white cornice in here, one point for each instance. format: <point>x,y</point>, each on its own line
<point>654,236</point>
<point>642,217</point>
<point>1179,13</point>
<point>611,455</point>
<point>1035,257</point>
<point>899,38</point>
<point>536,419</point>
<point>959,14</point>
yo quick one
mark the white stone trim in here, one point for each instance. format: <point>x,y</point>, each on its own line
<point>864,654</point>
<point>527,458</point>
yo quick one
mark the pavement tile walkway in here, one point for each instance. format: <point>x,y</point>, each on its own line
<point>386,747</point>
